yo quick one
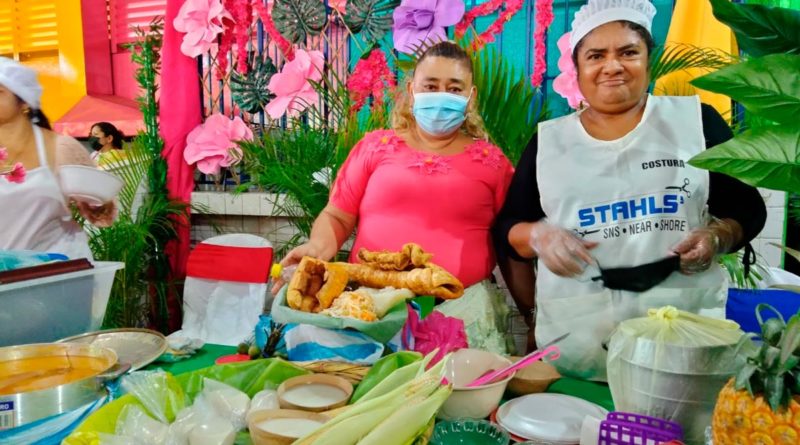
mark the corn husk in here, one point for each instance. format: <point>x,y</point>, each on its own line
<point>414,392</point>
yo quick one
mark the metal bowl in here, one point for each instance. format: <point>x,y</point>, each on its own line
<point>51,382</point>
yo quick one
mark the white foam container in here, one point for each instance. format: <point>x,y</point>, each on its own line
<point>47,309</point>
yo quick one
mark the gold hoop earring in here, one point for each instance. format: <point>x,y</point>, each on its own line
<point>26,111</point>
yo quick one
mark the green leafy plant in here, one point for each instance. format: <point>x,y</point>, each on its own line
<point>141,232</point>
<point>680,57</point>
<point>733,263</point>
<point>299,19</point>
<point>765,155</point>
<point>371,18</point>
<point>504,91</point>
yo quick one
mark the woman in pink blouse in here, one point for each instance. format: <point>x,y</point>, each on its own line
<point>433,179</point>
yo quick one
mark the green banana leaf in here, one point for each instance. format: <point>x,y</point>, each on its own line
<point>767,86</point>
<point>381,369</point>
<point>381,330</point>
<point>762,157</point>
<point>761,30</point>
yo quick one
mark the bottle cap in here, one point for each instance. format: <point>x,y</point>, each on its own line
<point>276,270</point>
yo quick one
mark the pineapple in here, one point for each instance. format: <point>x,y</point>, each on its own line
<point>761,406</point>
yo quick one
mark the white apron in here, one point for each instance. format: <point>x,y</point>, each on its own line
<point>35,215</point>
<point>637,197</point>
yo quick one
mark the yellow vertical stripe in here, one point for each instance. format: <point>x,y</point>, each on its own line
<point>693,23</point>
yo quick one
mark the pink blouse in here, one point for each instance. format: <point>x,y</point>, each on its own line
<point>446,204</point>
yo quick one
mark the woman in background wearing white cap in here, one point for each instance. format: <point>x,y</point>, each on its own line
<point>35,214</point>
<point>606,199</point>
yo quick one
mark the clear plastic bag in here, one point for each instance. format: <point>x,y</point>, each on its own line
<point>672,365</point>
<point>266,399</point>
<point>226,401</point>
<point>133,422</point>
<point>158,392</point>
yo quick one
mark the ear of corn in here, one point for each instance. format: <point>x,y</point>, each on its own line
<point>409,421</point>
<point>397,378</point>
<point>366,414</point>
<point>353,429</point>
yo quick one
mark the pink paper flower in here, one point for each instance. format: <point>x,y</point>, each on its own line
<point>544,17</point>
<point>383,141</point>
<point>436,331</point>
<point>212,144</point>
<point>485,153</point>
<point>417,22</point>
<point>370,77</point>
<point>17,174</point>
<point>294,93</point>
<point>201,21</point>
<point>339,5</point>
<point>429,163</point>
<point>566,84</point>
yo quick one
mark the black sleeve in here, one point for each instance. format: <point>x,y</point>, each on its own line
<point>522,202</point>
<point>728,197</point>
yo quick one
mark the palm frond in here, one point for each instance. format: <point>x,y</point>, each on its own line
<point>679,57</point>
<point>130,165</point>
<point>733,263</point>
<point>511,108</point>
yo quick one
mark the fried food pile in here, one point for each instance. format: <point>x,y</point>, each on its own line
<point>317,285</point>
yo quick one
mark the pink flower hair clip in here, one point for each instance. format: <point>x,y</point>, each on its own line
<point>566,83</point>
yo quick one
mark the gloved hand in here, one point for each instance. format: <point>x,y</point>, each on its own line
<point>701,246</point>
<point>560,250</point>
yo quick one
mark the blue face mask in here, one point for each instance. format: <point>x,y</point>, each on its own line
<point>440,113</point>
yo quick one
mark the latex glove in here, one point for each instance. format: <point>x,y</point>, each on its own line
<point>560,250</point>
<point>700,247</point>
<point>293,258</point>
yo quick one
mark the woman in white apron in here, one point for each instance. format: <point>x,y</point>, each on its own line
<point>606,199</point>
<point>34,214</point>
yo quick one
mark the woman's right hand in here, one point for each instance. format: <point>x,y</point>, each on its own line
<point>294,256</point>
<point>560,250</point>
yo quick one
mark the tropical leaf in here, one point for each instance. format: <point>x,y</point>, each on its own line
<point>762,157</point>
<point>511,108</point>
<point>130,165</point>
<point>299,19</point>
<point>788,250</point>
<point>679,57</point>
<point>249,91</point>
<point>371,18</point>
<point>761,30</point>
<point>766,86</point>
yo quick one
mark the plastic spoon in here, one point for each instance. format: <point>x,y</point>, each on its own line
<point>550,350</point>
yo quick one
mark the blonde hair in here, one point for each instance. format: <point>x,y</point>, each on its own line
<point>403,117</point>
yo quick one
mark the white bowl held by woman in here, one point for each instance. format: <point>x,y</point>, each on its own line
<point>89,184</point>
<point>463,367</point>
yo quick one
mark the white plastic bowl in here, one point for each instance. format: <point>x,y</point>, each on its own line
<point>89,184</point>
<point>463,367</point>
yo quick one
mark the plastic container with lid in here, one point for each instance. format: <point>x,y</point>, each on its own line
<point>46,309</point>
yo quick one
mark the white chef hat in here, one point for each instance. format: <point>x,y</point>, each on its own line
<point>599,12</point>
<point>21,80</point>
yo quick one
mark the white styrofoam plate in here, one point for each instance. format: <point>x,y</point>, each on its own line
<point>554,418</point>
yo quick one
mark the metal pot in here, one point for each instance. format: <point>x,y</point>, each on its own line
<point>51,398</point>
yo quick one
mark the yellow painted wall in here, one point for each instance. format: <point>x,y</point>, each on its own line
<point>693,23</point>
<point>62,72</point>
